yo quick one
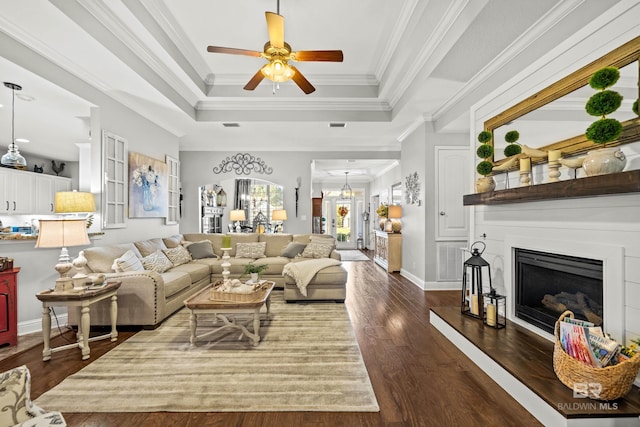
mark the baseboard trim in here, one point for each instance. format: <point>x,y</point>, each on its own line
<point>412,278</point>
<point>35,325</point>
<point>443,286</point>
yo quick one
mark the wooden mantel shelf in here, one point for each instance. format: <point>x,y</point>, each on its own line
<point>616,183</point>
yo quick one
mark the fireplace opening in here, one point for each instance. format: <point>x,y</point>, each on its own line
<point>548,284</point>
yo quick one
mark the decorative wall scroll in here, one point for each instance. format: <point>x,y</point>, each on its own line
<point>412,185</point>
<point>243,164</point>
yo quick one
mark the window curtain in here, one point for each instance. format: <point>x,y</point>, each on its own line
<point>242,196</point>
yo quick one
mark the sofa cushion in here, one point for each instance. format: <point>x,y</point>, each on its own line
<point>100,258</point>
<point>147,247</point>
<point>157,262</point>
<point>201,249</point>
<point>236,268</point>
<point>196,271</point>
<point>317,250</point>
<point>173,241</point>
<point>178,255</point>
<point>276,264</point>
<point>214,238</point>
<point>241,238</point>
<point>175,281</point>
<point>329,276</point>
<point>275,243</point>
<point>293,249</point>
<point>129,261</point>
<point>251,250</point>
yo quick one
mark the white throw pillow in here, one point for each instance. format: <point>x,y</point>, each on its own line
<point>128,262</point>
<point>251,250</point>
<point>317,250</point>
<point>178,255</point>
<point>157,262</point>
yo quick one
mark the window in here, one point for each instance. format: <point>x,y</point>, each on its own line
<point>115,186</point>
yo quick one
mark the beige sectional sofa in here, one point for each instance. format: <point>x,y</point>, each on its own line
<point>147,297</point>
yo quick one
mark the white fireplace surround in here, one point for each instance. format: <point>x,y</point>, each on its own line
<point>612,258</point>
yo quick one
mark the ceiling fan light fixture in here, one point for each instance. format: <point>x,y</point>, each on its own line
<point>278,71</point>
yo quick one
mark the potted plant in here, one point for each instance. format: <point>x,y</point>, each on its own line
<point>604,130</point>
<point>512,147</point>
<point>484,168</point>
<point>383,213</point>
<point>254,270</point>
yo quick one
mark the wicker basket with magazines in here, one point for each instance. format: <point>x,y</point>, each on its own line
<point>614,381</point>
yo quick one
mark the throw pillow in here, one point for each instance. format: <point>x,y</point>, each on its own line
<point>199,250</point>
<point>251,250</point>
<point>178,255</point>
<point>15,388</point>
<point>293,249</point>
<point>129,261</point>
<point>317,250</point>
<point>157,262</point>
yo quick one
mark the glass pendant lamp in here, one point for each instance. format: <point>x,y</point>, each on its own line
<point>13,158</point>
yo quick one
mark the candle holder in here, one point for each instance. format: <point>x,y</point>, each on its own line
<point>554,171</point>
<point>495,310</point>
<point>525,178</point>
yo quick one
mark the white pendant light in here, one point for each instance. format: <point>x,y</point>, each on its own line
<point>346,192</point>
<point>13,158</point>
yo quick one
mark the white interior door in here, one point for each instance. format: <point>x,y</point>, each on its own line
<point>452,176</point>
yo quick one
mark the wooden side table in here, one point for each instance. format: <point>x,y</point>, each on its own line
<point>81,301</point>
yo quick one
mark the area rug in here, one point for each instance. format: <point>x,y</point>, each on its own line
<point>351,255</point>
<point>308,360</point>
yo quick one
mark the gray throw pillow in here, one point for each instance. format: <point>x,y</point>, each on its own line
<point>293,249</point>
<point>200,250</point>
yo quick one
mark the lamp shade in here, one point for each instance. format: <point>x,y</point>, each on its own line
<point>237,215</point>
<point>60,233</point>
<point>395,211</point>
<point>74,202</point>
<point>279,215</point>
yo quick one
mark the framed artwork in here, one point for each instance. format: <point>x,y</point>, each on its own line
<point>148,181</point>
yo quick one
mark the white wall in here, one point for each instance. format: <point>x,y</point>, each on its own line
<point>605,221</point>
<point>197,169</point>
<point>143,136</point>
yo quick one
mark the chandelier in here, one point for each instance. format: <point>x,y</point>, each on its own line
<point>346,192</point>
<point>13,158</point>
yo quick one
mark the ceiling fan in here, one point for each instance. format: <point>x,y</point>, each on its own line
<point>278,53</point>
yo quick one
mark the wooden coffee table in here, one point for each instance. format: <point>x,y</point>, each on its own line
<point>229,312</point>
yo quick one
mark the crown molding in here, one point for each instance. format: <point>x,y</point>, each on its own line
<point>302,104</point>
<point>162,15</point>
<point>108,18</point>
<point>533,33</point>
<point>52,55</point>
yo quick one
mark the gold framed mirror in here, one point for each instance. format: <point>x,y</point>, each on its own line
<point>569,94</point>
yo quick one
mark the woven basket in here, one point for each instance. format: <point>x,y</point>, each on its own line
<point>616,381</point>
<point>222,296</point>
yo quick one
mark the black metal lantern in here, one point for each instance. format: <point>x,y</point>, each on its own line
<point>472,293</point>
<point>495,310</point>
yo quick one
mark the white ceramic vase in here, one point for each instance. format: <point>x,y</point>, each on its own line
<point>485,183</point>
<point>604,161</point>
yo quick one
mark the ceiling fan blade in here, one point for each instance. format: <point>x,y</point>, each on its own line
<point>233,51</point>
<point>275,25</point>
<point>255,81</point>
<point>302,81</point>
<point>318,55</point>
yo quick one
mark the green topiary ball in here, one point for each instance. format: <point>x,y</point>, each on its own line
<point>604,130</point>
<point>602,103</point>
<point>634,108</point>
<point>604,78</point>
<point>512,149</point>
<point>484,136</point>
<point>484,151</point>
<point>512,136</point>
<point>484,168</point>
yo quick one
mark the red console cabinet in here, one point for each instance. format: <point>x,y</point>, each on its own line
<point>8,307</point>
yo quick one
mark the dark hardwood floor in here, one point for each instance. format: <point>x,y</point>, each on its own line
<point>419,377</point>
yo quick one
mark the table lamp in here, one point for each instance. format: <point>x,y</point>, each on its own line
<point>280,215</point>
<point>395,212</point>
<point>61,233</point>
<point>237,215</point>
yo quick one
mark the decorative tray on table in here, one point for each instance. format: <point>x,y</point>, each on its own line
<point>245,292</point>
